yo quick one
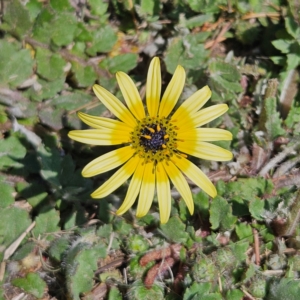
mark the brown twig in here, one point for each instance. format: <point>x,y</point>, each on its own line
<point>220,37</point>
<point>157,269</point>
<point>274,15</point>
<point>160,254</point>
<point>256,246</point>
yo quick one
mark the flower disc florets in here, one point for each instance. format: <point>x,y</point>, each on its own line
<point>154,139</point>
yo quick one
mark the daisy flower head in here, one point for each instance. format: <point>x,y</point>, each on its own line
<point>155,142</point>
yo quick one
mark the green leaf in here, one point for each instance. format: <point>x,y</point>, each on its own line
<point>234,295</point>
<point>225,70</point>
<point>58,248</point>
<point>34,8</point>
<point>200,291</point>
<point>43,28</point>
<point>293,60</point>
<point>114,294</point>
<point>32,284</point>
<point>13,222</point>
<point>148,7</point>
<point>247,32</point>
<point>199,20</point>
<point>64,27</point>
<point>80,266</point>
<point>123,62</point>
<point>137,244</point>
<point>23,251</point>
<point>282,45</point>
<point>286,288</point>
<point>239,251</point>
<point>16,65</point>
<point>252,187</point>
<point>104,40</point>
<point>256,208</point>
<point>221,214</point>
<point>17,16</point>
<point>50,66</point>
<point>52,117</point>
<point>98,7</point>
<point>6,193</point>
<point>61,5</point>
<point>84,75</point>
<point>46,89</point>
<point>293,119</point>
<point>50,161</point>
<point>76,217</point>
<point>139,291</point>
<point>204,268</point>
<point>201,201</point>
<point>273,123</point>
<point>188,52</point>
<point>72,100</point>
<point>206,5</point>
<point>11,150</point>
<point>292,27</point>
<point>34,192</point>
<point>174,230</point>
<point>46,222</point>
<point>244,232</point>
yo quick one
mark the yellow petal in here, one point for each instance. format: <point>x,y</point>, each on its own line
<point>100,122</point>
<point>180,184</point>
<point>208,114</point>
<point>153,87</point>
<point>196,175</point>
<point>147,191</point>
<point>114,105</point>
<point>201,117</point>
<point>163,193</point>
<point>131,95</point>
<point>117,179</point>
<point>191,105</point>
<point>205,135</point>
<point>133,189</point>
<point>99,136</point>
<point>172,93</point>
<point>205,150</point>
<point>108,161</point>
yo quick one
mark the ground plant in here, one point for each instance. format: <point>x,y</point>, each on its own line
<point>149,149</point>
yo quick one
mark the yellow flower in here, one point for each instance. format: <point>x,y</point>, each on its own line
<point>155,143</point>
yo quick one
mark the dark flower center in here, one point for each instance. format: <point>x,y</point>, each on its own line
<point>154,137</point>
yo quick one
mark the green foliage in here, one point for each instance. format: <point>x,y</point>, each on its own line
<point>46,222</point>
<point>52,53</point>
<point>50,66</point>
<point>10,230</point>
<point>6,193</point>
<point>139,291</point>
<point>103,40</point>
<point>286,288</point>
<point>293,119</point>
<point>289,42</point>
<point>124,62</point>
<point>200,290</point>
<point>224,78</point>
<point>221,214</point>
<point>273,123</point>
<point>174,230</point>
<point>32,284</point>
<point>187,51</point>
<point>80,266</point>
<point>17,18</point>
<point>16,64</point>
